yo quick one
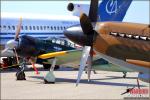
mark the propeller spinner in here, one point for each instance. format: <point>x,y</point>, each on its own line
<point>11,44</point>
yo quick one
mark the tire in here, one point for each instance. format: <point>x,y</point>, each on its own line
<point>56,67</point>
<point>47,66</point>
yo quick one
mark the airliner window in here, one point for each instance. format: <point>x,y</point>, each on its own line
<point>41,27</point>
<point>54,28</point>
<point>51,28</point>
<point>26,27</point>
<point>9,27</point>
<point>44,27</point>
<point>57,27</point>
<point>21,27</point>
<point>30,27</point>
<point>4,27</point>
<point>47,27</point>
<point>61,28</point>
<point>13,27</point>
<point>33,27</point>
<point>37,27</point>
<point>64,27</point>
<point>0,26</point>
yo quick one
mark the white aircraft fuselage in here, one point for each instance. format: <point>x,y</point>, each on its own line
<point>36,25</point>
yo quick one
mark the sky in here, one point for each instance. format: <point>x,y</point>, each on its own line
<point>138,12</point>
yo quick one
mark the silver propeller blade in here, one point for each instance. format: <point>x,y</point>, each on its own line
<point>17,58</point>
<point>89,66</point>
<point>85,54</point>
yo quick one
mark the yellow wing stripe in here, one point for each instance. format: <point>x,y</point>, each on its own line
<point>50,55</point>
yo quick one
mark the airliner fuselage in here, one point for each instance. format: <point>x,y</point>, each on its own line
<point>36,25</point>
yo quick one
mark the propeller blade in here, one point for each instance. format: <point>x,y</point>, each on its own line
<point>86,24</point>
<point>90,59</point>
<point>89,66</point>
<point>85,20</point>
<point>17,58</point>
<point>85,54</point>
<point>93,10</point>
<point>18,29</point>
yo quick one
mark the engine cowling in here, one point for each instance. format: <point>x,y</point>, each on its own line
<point>70,7</point>
<point>77,9</point>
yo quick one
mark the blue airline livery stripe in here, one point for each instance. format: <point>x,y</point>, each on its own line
<point>13,37</point>
<point>33,33</point>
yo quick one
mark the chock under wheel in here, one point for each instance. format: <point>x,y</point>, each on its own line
<point>20,75</point>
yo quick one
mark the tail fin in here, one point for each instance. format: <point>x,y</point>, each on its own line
<point>113,10</point>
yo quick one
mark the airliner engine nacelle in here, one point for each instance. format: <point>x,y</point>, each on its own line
<point>77,9</point>
<point>70,7</point>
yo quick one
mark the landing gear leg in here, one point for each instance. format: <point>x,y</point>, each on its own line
<point>124,74</point>
<point>89,67</point>
<point>138,84</point>
<point>50,78</point>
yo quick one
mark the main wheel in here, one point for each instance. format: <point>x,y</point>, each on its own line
<point>47,66</point>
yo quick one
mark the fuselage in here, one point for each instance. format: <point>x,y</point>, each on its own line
<point>126,41</point>
<point>129,42</point>
<point>36,25</point>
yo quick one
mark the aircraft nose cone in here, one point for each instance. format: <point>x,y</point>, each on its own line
<point>11,44</point>
<point>28,46</point>
<point>76,35</point>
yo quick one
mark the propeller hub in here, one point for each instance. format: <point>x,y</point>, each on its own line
<point>27,46</point>
<point>11,44</point>
<point>76,35</point>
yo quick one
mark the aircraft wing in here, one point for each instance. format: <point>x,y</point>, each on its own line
<point>55,54</point>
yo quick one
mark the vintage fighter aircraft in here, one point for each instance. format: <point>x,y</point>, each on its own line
<point>121,43</point>
<point>40,51</point>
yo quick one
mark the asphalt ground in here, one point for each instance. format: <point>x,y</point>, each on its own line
<point>103,85</point>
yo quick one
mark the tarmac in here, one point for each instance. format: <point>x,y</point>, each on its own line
<point>103,85</point>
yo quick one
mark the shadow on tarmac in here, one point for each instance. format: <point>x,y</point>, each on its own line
<point>10,70</point>
<point>92,82</point>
